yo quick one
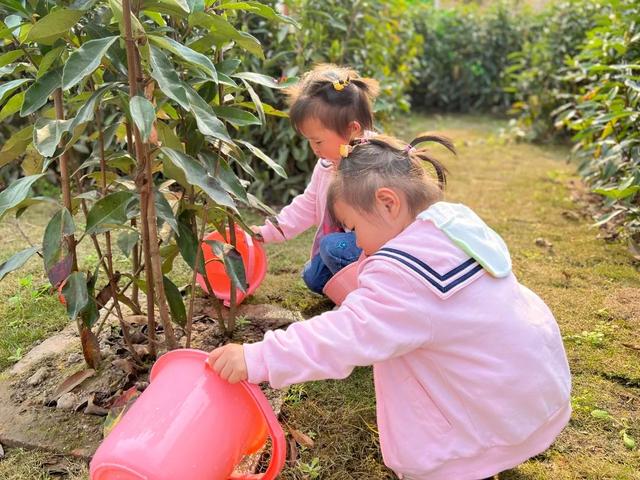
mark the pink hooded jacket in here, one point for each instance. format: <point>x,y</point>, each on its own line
<point>306,210</point>
<point>470,372</point>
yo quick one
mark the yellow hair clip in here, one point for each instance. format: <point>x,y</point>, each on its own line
<point>340,84</point>
<point>345,150</point>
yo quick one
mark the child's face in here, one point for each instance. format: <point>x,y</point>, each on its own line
<point>373,230</point>
<point>324,142</point>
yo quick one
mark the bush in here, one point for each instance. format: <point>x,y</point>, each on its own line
<point>535,77</point>
<point>604,111</point>
<point>465,55</point>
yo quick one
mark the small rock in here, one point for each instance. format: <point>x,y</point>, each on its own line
<point>569,215</point>
<point>68,401</point>
<point>74,358</point>
<point>541,242</point>
<point>37,378</point>
<point>141,386</point>
<point>1,452</point>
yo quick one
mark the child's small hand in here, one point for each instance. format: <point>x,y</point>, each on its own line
<point>256,229</point>
<point>228,362</point>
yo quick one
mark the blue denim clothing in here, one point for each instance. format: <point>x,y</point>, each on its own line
<point>337,250</point>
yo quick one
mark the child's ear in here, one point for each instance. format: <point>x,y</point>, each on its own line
<point>389,201</point>
<point>355,129</point>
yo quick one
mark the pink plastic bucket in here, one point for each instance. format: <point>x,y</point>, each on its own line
<point>342,283</point>
<point>253,258</point>
<point>189,424</point>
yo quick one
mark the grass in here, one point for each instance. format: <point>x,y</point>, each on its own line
<point>593,288</point>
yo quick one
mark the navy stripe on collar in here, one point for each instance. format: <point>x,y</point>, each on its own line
<point>428,273</point>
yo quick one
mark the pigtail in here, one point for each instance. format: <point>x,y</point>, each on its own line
<point>422,154</point>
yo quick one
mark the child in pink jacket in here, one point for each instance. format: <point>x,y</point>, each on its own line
<point>470,372</point>
<point>330,106</point>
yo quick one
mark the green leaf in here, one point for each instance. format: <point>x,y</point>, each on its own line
<point>628,440</point>
<point>236,116</point>
<point>12,106</point>
<point>187,240</point>
<point>233,264</point>
<point>47,135</point>
<point>259,9</point>
<point>53,26</point>
<point>226,176</point>
<point>85,60</point>
<point>618,193</point>
<point>126,242</point>
<point>86,112</point>
<point>8,87</point>
<point>143,114</point>
<point>109,211</point>
<point>136,26</point>
<point>265,158</point>
<point>38,93</point>
<point>164,211</point>
<point>76,294</point>
<point>206,119</point>
<point>257,103</point>
<point>192,57</point>
<point>168,137</point>
<point>10,57</point>
<point>264,80</point>
<point>168,7</point>
<point>16,261</point>
<point>16,6</point>
<point>175,301</point>
<point>198,176</point>
<point>49,59</point>
<point>168,80</point>
<point>16,192</point>
<point>16,145</point>
<point>601,414</point>
<point>54,245</point>
<point>222,31</point>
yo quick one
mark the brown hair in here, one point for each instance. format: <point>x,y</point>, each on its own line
<point>334,95</point>
<point>384,161</point>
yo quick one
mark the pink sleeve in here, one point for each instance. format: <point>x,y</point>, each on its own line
<point>378,321</point>
<point>298,216</point>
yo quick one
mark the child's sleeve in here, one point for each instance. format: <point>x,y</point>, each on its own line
<point>296,217</point>
<point>378,321</point>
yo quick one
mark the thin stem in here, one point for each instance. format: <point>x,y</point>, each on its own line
<point>195,274</point>
<point>65,179</point>
<point>145,181</point>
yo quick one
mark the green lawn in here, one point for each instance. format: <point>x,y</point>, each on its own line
<point>592,286</point>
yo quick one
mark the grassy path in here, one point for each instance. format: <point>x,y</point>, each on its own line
<point>592,287</point>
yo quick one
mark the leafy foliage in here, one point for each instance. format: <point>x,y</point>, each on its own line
<point>465,56</point>
<point>138,111</point>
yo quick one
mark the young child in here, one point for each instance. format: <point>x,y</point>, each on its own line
<point>470,372</point>
<point>330,106</point>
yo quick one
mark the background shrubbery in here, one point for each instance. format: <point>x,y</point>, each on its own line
<point>567,73</point>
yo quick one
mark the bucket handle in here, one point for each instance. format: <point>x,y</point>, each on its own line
<point>278,449</point>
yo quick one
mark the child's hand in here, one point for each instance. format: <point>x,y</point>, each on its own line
<point>256,229</point>
<point>228,362</point>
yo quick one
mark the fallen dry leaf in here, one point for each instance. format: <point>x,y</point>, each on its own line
<point>125,365</point>
<point>72,382</point>
<point>301,438</point>
<point>293,451</point>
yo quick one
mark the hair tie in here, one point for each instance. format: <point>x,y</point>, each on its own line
<point>340,84</point>
<point>346,149</point>
<point>409,149</point>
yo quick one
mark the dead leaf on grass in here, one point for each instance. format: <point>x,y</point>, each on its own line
<point>301,438</point>
<point>293,451</point>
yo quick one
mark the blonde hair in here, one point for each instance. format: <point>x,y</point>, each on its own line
<point>384,161</point>
<point>334,95</point>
